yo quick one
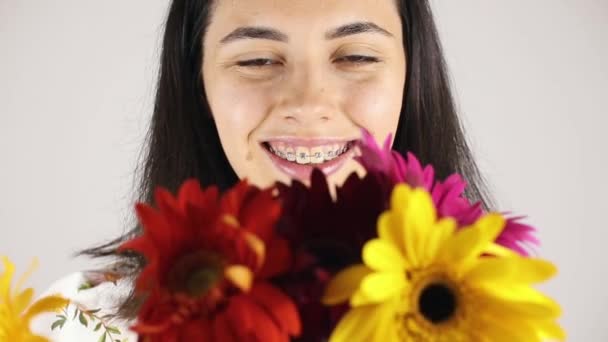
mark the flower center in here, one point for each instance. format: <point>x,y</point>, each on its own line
<point>437,303</point>
<point>196,273</point>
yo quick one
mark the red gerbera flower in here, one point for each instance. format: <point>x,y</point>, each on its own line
<point>208,258</point>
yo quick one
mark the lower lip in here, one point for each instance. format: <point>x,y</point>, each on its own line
<point>303,171</point>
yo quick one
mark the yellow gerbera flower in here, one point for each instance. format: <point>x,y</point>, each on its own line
<point>15,309</point>
<point>424,281</point>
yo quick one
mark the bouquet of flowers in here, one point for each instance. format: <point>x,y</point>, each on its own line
<point>395,255</point>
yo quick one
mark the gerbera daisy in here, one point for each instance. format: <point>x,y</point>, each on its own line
<point>208,258</point>
<point>448,195</point>
<point>424,280</point>
<point>16,312</point>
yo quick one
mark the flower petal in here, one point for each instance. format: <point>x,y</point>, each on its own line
<point>391,229</point>
<point>260,324</point>
<point>514,270</point>
<point>380,286</point>
<point>358,325</point>
<point>45,304</point>
<point>22,300</point>
<point>420,216</point>
<point>527,300</point>
<point>400,196</point>
<point>222,331</point>
<point>345,284</point>
<point>279,306</point>
<point>381,255</point>
<point>471,241</point>
<point>435,239</point>
<point>5,279</point>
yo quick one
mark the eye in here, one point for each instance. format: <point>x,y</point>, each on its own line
<point>257,62</point>
<point>358,59</point>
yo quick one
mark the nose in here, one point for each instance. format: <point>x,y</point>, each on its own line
<point>307,97</point>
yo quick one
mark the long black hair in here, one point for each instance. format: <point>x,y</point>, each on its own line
<point>183,141</point>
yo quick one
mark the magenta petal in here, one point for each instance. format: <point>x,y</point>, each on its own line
<point>517,236</point>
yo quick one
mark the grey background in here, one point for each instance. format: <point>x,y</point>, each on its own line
<point>76,88</point>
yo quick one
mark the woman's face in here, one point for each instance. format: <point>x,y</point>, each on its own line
<point>291,83</point>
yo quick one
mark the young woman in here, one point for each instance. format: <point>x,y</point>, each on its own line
<point>269,89</point>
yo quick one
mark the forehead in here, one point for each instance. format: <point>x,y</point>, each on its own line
<point>297,16</point>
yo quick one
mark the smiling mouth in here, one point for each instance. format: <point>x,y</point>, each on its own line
<point>297,159</point>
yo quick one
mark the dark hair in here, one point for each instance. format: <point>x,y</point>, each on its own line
<point>183,141</point>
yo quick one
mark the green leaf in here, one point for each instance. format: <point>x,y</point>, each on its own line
<point>58,323</point>
<point>90,312</point>
<point>102,338</point>
<point>83,320</point>
<point>97,327</point>
<point>113,330</point>
<point>75,314</point>
<point>61,316</point>
<point>85,286</point>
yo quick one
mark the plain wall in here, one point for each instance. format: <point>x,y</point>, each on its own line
<point>76,91</point>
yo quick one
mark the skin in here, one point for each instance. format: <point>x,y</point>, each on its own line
<point>307,86</point>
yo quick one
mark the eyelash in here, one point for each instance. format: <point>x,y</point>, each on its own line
<point>262,62</point>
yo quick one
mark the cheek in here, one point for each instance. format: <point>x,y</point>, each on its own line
<point>376,106</point>
<point>237,109</point>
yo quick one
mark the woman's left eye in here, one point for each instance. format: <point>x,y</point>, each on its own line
<point>358,59</point>
<point>256,62</point>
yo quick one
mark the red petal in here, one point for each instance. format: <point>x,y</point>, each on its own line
<point>222,330</point>
<point>260,214</point>
<point>197,330</point>
<point>190,191</point>
<point>251,323</point>
<point>175,217</point>
<point>278,259</point>
<point>233,198</point>
<point>279,306</point>
<point>154,225</point>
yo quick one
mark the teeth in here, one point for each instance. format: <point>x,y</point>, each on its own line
<point>302,155</point>
<point>291,154</point>
<point>316,155</point>
<point>327,153</point>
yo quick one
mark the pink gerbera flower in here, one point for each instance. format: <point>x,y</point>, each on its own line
<point>448,195</point>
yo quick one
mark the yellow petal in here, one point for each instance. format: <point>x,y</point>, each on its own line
<point>381,255</point>
<point>549,329</point>
<point>46,304</point>
<point>392,230</point>
<point>420,216</point>
<point>400,196</point>
<point>380,286</point>
<point>358,325</point>
<point>27,274</point>
<point>496,328</point>
<point>386,329</point>
<point>436,238</point>
<point>344,284</point>
<point>5,279</point>
<point>525,299</point>
<point>23,300</point>
<point>514,270</point>
<point>36,338</point>
<point>499,251</point>
<point>240,276</point>
<point>471,241</point>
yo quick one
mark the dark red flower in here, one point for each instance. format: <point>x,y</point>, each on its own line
<point>326,235</point>
<point>208,263</point>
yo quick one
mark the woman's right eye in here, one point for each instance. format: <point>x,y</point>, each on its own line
<point>257,62</point>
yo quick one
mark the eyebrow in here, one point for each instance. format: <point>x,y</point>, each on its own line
<point>260,32</point>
